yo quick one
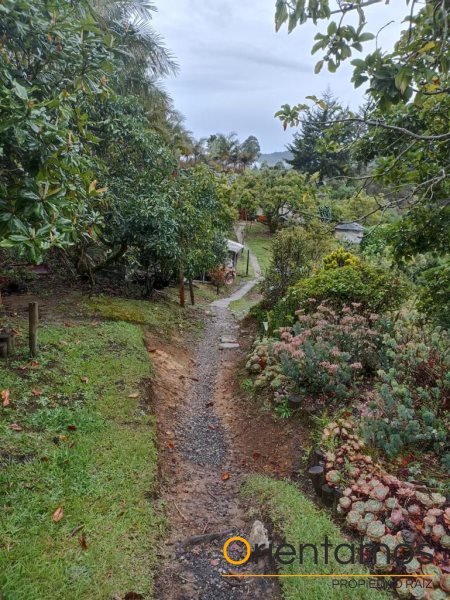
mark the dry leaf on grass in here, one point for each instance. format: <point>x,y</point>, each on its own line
<point>84,379</point>
<point>225,476</point>
<point>83,542</point>
<point>134,395</point>
<point>58,514</point>
<point>5,398</point>
<point>15,427</point>
<point>36,392</point>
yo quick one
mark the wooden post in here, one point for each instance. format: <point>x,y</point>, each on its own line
<point>181,285</point>
<point>11,343</point>
<point>191,292</point>
<point>316,474</point>
<point>33,315</point>
<point>248,261</point>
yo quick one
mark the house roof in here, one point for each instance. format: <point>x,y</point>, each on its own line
<point>349,227</point>
<point>234,247</point>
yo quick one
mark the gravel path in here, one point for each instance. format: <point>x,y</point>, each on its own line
<point>202,489</point>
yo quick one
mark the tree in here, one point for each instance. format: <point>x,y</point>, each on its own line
<point>249,151</point>
<point>52,62</point>
<point>405,126</point>
<point>323,144</point>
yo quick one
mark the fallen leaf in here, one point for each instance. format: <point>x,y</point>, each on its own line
<point>83,542</point>
<point>211,426</point>
<point>170,445</point>
<point>58,514</point>
<point>5,398</point>
<point>34,364</point>
<point>15,427</point>
<point>67,324</point>
<point>215,562</point>
<point>133,596</point>
<point>23,368</point>
<point>36,392</point>
<point>72,427</point>
<point>134,395</point>
<point>84,379</point>
<point>225,476</point>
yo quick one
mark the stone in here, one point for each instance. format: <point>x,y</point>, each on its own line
<point>228,346</point>
<point>228,339</point>
<point>259,536</point>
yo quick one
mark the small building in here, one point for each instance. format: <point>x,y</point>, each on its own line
<point>234,250</point>
<point>349,232</point>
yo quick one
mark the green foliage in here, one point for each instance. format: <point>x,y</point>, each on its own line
<point>434,295</point>
<point>340,258</point>
<point>323,144</point>
<point>295,251</point>
<point>295,517</point>
<point>102,466</point>
<point>328,352</point>
<point>52,61</point>
<point>410,406</point>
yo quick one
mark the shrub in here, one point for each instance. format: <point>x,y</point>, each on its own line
<point>329,352</point>
<point>412,399</point>
<point>434,298</point>
<point>294,252</point>
<point>375,288</point>
<point>340,258</point>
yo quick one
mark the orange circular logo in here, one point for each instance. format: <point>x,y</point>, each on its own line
<point>236,539</point>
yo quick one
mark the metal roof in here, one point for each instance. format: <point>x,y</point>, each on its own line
<point>349,227</point>
<point>234,247</point>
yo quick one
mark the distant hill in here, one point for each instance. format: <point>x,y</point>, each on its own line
<point>274,157</point>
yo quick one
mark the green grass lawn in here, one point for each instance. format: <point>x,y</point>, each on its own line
<point>297,520</point>
<point>87,445</point>
<point>259,239</point>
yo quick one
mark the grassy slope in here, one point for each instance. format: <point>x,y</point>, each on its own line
<point>258,238</point>
<point>102,473</point>
<point>297,520</point>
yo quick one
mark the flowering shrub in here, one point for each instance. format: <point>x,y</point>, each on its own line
<point>328,352</point>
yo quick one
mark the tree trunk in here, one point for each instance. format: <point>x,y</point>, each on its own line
<point>191,292</point>
<point>181,284</point>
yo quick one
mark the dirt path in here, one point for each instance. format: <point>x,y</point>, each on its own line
<point>210,440</point>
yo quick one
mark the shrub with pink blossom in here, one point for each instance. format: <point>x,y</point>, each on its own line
<point>328,352</point>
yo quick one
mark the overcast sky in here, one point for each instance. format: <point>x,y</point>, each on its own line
<point>236,72</point>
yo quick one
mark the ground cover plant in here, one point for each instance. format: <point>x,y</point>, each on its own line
<point>78,463</point>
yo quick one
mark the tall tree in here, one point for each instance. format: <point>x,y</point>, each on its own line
<point>323,145</point>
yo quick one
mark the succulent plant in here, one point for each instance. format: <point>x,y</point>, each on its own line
<point>429,520</point>
<point>403,588</point>
<point>433,570</point>
<point>380,492</point>
<point>445,582</point>
<point>333,477</point>
<point>396,516</point>
<point>414,509</point>
<point>437,532</point>
<point>438,594</point>
<point>374,506</point>
<point>389,541</point>
<point>438,499</point>
<point>447,517</point>
<point>445,541</point>
<point>424,499</point>
<point>359,506</point>
<point>376,530</point>
<point>413,566</point>
<point>369,517</point>
<point>391,503</point>
<point>362,526</point>
<point>381,563</point>
<point>345,502</point>
<point>353,518</point>
<point>418,592</point>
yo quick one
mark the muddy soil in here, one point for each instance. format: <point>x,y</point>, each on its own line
<point>211,437</point>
